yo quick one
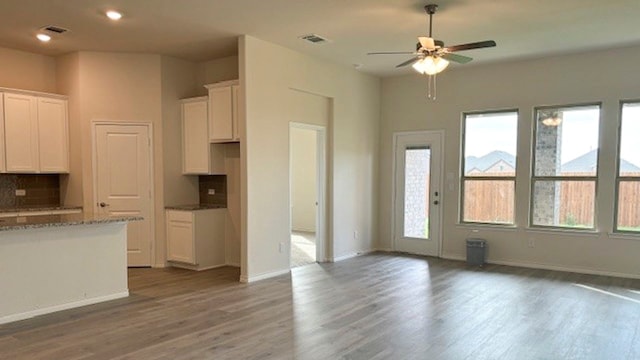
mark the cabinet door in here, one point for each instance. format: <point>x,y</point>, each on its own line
<point>21,133</point>
<point>237,112</point>
<point>195,142</point>
<point>53,139</point>
<point>220,114</point>
<point>180,242</point>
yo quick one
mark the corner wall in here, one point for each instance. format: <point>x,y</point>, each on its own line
<point>352,152</point>
<point>561,80</point>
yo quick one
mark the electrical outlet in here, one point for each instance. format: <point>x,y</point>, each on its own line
<point>531,243</point>
<point>212,191</point>
<point>21,192</point>
<point>281,247</point>
<point>355,235</point>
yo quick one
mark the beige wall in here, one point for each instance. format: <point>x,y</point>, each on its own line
<point>123,88</point>
<point>566,79</point>
<point>352,158</point>
<point>216,70</point>
<point>178,82</point>
<point>68,80</point>
<point>303,179</point>
<point>28,71</point>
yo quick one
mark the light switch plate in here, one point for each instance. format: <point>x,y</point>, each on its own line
<point>212,191</point>
<point>21,192</point>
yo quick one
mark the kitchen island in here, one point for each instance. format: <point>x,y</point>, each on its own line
<point>50,263</point>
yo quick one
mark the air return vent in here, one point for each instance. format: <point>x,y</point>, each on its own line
<point>314,39</point>
<point>55,29</point>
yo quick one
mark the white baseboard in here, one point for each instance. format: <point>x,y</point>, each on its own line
<point>350,255</point>
<point>233,264</point>
<point>579,270</point>
<point>194,267</point>
<point>67,306</point>
<point>263,276</point>
<point>456,257</point>
<point>544,266</point>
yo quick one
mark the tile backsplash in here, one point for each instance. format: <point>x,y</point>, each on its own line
<point>218,183</point>
<point>40,190</point>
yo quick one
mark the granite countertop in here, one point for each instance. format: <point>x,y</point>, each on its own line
<point>44,221</point>
<point>194,207</point>
<point>38,208</point>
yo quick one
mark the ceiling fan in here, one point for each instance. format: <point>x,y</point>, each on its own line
<point>432,56</point>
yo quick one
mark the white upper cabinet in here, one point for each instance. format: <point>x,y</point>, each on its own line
<point>237,107</point>
<point>223,111</point>
<point>195,142</point>
<point>198,155</point>
<point>21,133</point>
<point>53,142</point>
<point>36,134</point>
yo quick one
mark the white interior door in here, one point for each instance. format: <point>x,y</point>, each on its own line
<point>123,183</point>
<point>417,195</point>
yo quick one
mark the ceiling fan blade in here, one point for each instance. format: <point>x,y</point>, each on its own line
<point>410,61</point>
<point>427,42</point>
<point>460,59</point>
<point>470,46</point>
<point>392,53</point>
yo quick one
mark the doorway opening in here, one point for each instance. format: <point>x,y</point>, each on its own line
<point>306,173</point>
<point>417,193</point>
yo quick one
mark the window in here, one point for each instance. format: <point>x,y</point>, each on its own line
<point>489,167</point>
<point>565,166</point>
<point>628,176</point>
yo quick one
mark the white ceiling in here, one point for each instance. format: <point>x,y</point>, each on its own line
<point>207,29</point>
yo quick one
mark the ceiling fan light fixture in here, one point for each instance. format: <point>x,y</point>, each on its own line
<point>552,120</point>
<point>430,65</point>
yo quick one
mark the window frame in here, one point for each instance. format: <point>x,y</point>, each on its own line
<point>619,178</point>
<point>464,177</point>
<point>533,178</point>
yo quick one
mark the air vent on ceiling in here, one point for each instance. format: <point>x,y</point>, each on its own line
<point>314,39</point>
<point>55,29</point>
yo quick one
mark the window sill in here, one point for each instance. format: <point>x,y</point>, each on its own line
<point>483,226</point>
<point>623,236</point>
<point>560,231</point>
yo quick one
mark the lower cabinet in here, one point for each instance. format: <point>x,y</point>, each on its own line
<point>195,239</point>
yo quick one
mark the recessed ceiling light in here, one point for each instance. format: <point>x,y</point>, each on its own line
<point>43,37</point>
<point>113,15</point>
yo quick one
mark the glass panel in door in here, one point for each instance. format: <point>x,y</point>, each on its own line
<point>417,171</point>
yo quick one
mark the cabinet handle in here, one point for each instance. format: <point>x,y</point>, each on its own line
<point>103,204</point>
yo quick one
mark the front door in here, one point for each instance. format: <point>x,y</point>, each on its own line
<point>123,184</point>
<point>417,194</point>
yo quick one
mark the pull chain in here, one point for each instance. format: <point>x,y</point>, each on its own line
<point>431,87</point>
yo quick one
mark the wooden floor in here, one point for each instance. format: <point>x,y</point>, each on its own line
<point>378,306</point>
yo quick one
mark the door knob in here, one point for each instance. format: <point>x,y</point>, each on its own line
<point>436,202</point>
<point>103,204</point>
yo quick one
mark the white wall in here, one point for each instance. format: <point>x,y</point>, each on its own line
<point>606,76</point>
<point>303,179</point>
<point>216,70</point>
<point>352,158</point>
<point>178,82</point>
<point>28,71</point>
<point>114,87</point>
<point>68,81</point>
